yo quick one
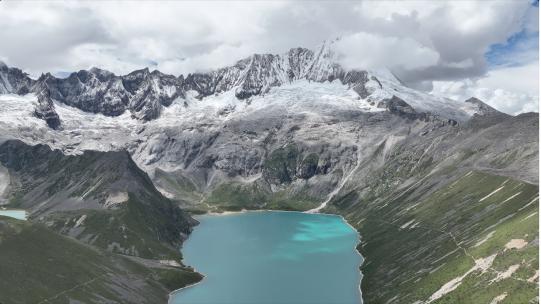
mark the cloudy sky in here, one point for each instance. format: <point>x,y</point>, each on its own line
<point>487,49</point>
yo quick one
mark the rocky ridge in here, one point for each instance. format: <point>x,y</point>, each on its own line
<point>145,94</point>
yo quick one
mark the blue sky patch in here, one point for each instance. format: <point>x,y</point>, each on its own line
<point>519,49</point>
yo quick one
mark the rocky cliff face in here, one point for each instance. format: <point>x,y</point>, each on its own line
<point>13,80</point>
<point>97,91</point>
<point>45,108</point>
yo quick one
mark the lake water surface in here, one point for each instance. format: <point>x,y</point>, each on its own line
<point>18,214</point>
<point>272,257</point>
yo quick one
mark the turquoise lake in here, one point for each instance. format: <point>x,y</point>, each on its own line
<point>18,214</point>
<point>272,258</point>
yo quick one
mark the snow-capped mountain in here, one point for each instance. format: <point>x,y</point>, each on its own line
<point>294,131</point>
<point>221,124</point>
<point>145,94</point>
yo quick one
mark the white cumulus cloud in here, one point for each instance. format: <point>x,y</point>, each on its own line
<point>512,90</point>
<point>365,51</point>
<point>422,41</point>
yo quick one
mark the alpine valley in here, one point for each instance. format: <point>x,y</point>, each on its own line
<point>110,170</point>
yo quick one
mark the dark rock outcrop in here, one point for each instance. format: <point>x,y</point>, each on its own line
<point>45,107</point>
<point>13,80</point>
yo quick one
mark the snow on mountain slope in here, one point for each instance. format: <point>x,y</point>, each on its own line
<point>222,124</point>
<point>299,97</point>
<point>81,130</point>
<point>219,134</point>
<point>16,112</point>
<point>84,130</point>
<point>424,102</point>
<point>146,94</point>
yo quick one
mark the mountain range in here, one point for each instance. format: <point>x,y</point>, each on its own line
<point>437,188</point>
<point>144,93</point>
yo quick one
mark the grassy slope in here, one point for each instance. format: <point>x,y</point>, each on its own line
<point>129,230</point>
<point>238,196</point>
<point>145,226</point>
<point>37,264</point>
<point>71,194</point>
<point>400,269</point>
<point>179,186</point>
<point>409,263</point>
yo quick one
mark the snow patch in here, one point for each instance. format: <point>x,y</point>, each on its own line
<point>407,224</point>
<point>424,102</point>
<point>80,221</point>
<point>528,204</point>
<point>491,193</point>
<point>529,216</point>
<point>17,112</point>
<point>511,197</point>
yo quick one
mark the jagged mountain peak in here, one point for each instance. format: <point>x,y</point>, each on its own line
<point>157,73</point>
<point>482,107</point>
<point>101,72</point>
<point>44,76</point>
<point>93,77</point>
<point>145,93</point>
<point>141,72</point>
<point>327,46</point>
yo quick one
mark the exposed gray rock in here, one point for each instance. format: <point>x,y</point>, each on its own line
<point>482,108</point>
<point>45,107</point>
<point>95,91</point>
<point>13,80</point>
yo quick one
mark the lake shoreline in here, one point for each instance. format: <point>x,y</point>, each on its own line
<point>18,214</point>
<point>227,213</point>
<point>187,286</point>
